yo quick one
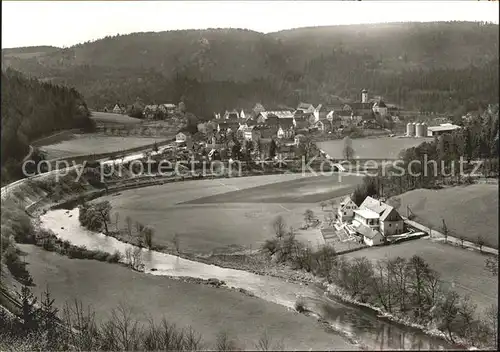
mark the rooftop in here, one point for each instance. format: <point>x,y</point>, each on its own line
<point>443,127</point>
<point>367,231</point>
<point>367,213</point>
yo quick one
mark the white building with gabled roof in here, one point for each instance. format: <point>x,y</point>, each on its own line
<point>345,211</point>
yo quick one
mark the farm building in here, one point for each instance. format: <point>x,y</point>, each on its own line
<point>441,129</point>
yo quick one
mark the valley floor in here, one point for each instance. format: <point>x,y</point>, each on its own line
<point>206,309</point>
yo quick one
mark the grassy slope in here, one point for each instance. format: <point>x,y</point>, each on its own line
<point>364,148</point>
<point>462,267</point>
<point>208,310</point>
<point>468,211</point>
<point>91,143</point>
<point>222,218</point>
<point>109,118</point>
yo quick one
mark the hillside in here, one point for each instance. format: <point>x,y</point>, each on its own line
<point>31,109</point>
<point>399,61</point>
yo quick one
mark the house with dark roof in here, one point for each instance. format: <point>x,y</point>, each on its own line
<point>305,108</point>
<point>281,114</point>
<point>227,126</point>
<point>380,108</point>
<point>231,115</point>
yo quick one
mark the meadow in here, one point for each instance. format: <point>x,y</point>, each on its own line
<point>468,211</point>
<point>206,309</point>
<point>107,118</point>
<point>460,269</point>
<point>213,215</point>
<point>78,144</point>
<point>371,148</point>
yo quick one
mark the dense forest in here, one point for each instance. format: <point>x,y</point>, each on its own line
<point>442,67</point>
<point>32,109</point>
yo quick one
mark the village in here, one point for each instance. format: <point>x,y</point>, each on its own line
<point>261,134</point>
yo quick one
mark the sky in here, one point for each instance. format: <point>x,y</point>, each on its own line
<point>66,23</point>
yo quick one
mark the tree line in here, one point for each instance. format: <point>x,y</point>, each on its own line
<point>42,326</point>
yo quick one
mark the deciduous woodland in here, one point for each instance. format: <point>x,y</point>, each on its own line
<point>435,67</point>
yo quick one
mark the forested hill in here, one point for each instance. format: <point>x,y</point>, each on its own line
<point>31,109</point>
<point>413,64</point>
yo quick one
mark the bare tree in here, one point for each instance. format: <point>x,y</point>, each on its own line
<point>147,233</point>
<point>265,343</point>
<point>466,311</point>
<point>279,226</point>
<point>448,312</point>
<point>176,242</point>
<point>103,211</point>
<point>138,227</point>
<point>445,231</point>
<point>348,150</point>
<point>491,317</point>
<point>133,258</point>
<point>480,243</point>
<point>224,343</point>
<point>128,221</point>
<point>126,328</point>
<point>462,239</point>
<point>117,218</point>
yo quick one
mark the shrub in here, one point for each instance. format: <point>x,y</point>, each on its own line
<point>114,258</point>
<point>100,256</point>
<point>300,305</point>
<point>271,246</point>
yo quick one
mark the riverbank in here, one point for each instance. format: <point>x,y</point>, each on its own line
<point>307,283</point>
<point>268,269</point>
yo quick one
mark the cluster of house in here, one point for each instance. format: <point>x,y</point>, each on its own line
<point>372,222</point>
<point>149,111</point>
<point>284,124</point>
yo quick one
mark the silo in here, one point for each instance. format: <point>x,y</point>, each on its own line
<point>424,129</point>
<point>419,132</point>
<point>411,133</point>
<point>408,129</point>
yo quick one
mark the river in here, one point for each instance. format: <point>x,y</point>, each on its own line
<point>363,325</point>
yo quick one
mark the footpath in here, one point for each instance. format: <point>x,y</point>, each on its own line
<point>436,235</point>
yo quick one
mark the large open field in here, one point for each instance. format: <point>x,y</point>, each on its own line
<point>462,270</point>
<point>214,214</point>
<point>469,211</point>
<point>206,309</point>
<point>78,144</point>
<point>371,148</point>
<point>110,118</point>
